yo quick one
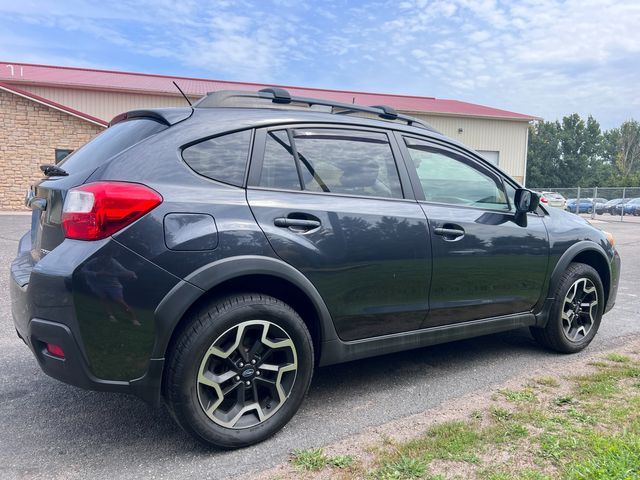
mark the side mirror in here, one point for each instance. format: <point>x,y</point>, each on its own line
<point>526,200</point>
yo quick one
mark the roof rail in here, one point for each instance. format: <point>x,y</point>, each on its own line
<point>249,99</point>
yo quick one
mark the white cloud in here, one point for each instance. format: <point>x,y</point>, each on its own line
<point>545,57</point>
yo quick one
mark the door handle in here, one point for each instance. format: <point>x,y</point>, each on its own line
<point>450,231</point>
<point>296,223</point>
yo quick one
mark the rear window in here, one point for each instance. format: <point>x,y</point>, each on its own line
<point>222,158</point>
<point>112,141</point>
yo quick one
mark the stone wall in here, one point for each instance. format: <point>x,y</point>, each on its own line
<point>29,135</point>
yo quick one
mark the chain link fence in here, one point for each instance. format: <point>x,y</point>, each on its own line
<point>605,203</point>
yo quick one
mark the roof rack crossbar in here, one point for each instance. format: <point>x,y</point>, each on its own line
<point>230,98</point>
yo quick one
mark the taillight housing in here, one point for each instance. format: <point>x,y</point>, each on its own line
<point>97,210</point>
<point>544,200</point>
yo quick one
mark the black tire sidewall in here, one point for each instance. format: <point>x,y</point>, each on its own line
<point>187,409</point>
<point>554,325</point>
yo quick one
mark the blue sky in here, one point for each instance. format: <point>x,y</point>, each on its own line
<point>546,58</point>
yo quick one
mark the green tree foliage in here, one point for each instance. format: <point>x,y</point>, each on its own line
<point>575,152</point>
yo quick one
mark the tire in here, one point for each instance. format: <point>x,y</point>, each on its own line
<point>279,379</point>
<point>563,335</point>
<point>589,210</point>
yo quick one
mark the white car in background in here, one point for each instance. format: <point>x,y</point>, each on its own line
<point>553,199</point>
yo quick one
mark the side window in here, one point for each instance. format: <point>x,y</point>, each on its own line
<point>448,178</point>
<point>279,165</point>
<point>331,160</point>
<point>347,161</point>
<point>221,158</point>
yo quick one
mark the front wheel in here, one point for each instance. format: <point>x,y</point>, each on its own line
<point>576,312</point>
<point>239,370</point>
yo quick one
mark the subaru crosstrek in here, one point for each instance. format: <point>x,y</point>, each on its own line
<point>213,256</point>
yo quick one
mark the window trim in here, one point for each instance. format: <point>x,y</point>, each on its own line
<point>465,157</point>
<point>260,139</point>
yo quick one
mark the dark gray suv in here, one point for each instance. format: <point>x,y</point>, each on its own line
<point>213,256</point>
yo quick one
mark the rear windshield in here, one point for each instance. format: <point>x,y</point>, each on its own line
<point>113,140</point>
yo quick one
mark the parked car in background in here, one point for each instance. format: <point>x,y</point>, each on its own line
<point>610,206</point>
<point>586,205</point>
<point>631,207</point>
<point>553,199</point>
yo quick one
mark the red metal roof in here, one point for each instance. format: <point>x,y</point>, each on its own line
<point>87,78</point>
<point>52,104</point>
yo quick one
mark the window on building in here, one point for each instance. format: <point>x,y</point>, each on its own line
<point>221,158</point>
<point>61,154</point>
<point>491,156</point>
<point>448,178</point>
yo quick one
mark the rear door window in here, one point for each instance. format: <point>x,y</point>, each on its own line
<point>326,160</point>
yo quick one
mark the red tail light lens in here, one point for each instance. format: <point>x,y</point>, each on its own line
<point>544,200</point>
<point>98,210</point>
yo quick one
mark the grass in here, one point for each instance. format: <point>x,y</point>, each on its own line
<point>587,429</point>
<point>314,459</point>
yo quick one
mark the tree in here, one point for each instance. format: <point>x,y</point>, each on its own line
<point>576,153</point>
<point>628,155</point>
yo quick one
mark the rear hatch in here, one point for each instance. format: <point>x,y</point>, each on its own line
<point>46,197</point>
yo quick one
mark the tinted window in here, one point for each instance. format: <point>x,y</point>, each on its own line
<point>278,166</point>
<point>110,142</point>
<point>448,178</point>
<point>347,161</point>
<point>222,158</point>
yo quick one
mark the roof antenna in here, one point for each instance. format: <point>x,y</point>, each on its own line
<point>185,97</point>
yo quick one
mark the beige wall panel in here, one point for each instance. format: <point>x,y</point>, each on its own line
<point>104,105</point>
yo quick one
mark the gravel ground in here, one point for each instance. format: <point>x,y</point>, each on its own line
<point>54,430</point>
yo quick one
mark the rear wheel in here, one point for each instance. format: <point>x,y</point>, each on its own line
<point>239,370</point>
<point>576,312</point>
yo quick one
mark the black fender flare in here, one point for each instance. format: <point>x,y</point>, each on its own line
<point>561,265</point>
<point>183,295</point>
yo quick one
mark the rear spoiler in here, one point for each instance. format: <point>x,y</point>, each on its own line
<point>167,116</point>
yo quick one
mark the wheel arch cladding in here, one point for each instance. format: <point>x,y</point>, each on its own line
<point>590,254</point>
<point>250,274</point>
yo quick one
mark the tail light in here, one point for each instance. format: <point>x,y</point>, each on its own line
<point>98,210</point>
<point>544,200</point>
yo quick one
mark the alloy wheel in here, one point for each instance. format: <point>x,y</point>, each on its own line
<point>579,309</point>
<point>247,374</point>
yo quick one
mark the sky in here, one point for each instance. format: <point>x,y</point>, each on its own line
<point>547,58</point>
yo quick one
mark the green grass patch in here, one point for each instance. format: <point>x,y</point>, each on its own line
<point>400,469</point>
<point>312,459</point>
<point>547,381</point>
<point>341,461</point>
<point>618,358</point>
<point>524,395</point>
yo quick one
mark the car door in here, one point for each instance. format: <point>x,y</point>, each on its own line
<point>485,264</point>
<point>332,203</point>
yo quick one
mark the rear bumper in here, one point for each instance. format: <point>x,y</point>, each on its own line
<point>57,301</point>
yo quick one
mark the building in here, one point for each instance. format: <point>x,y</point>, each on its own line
<point>47,111</point>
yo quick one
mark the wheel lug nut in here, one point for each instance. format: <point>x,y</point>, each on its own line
<point>257,372</point>
<point>237,377</point>
<point>253,362</point>
<point>241,364</point>
<point>247,383</point>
